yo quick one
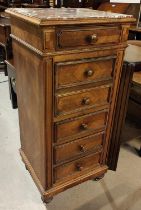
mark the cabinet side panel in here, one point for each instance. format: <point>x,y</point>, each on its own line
<point>28,33</point>
<point>31,103</point>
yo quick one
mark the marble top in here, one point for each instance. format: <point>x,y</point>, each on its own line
<point>65,14</point>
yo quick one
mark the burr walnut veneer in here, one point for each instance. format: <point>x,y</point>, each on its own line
<point>68,65</point>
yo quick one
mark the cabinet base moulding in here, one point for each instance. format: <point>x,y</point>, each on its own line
<point>47,195</point>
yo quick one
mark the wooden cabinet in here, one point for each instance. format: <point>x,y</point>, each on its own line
<point>68,66</point>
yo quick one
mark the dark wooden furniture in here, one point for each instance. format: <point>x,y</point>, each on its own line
<point>25,3</point>
<point>3,5</point>
<point>79,3</point>
<point>68,65</point>
<point>132,63</point>
<point>134,105</point>
<point>12,82</point>
<point>123,8</point>
<point>135,33</point>
<point>2,64</point>
<point>5,43</point>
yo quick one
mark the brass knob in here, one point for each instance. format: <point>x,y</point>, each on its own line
<point>79,167</point>
<point>84,126</point>
<point>86,101</point>
<point>92,38</point>
<point>82,148</point>
<point>89,73</point>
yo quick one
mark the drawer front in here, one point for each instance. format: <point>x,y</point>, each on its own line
<point>79,100</point>
<point>78,147</point>
<point>77,166</point>
<point>84,71</point>
<point>83,37</point>
<point>81,126</point>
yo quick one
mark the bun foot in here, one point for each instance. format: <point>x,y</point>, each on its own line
<point>140,152</point>
<point>46,200</point>
<point>98,178</point>
<point>26,168</point>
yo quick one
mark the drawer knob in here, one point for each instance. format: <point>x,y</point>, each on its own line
<point>79,167</point>
<point>82,148</point>
<point>89,73</point>
<point>93,38</point>
<point>13,81</point>
<point>86,101</point>
<point>84,126</point>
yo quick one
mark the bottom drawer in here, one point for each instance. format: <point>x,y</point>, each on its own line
<point>76,166</point>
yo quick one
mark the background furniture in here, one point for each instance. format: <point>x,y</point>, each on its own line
<point>132,63</point>
<point>135,33</point>
<point>67,94</point>
<point>12,82</point>
<point>49,3</point>
<point>5,42</point>
<point>134,106</point>
<point>125,8</point>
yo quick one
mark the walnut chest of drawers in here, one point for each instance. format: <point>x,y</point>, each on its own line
<point>68,66</point>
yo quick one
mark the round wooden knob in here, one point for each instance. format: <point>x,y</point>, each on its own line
<point>86,101</point>
<point>89,72</point>
<point>84,126</point>
<point>79,167</point>
<point>92,38</point>
<point>13,81</point>
<point>82,148</point>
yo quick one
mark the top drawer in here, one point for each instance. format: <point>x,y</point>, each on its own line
<point>84,71</point>
<point>82,37</point>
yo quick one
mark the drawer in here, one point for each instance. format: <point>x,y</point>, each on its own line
<point>87,36</point>
<point>77,166</point>
<point>84,71</point>
<point>78,147</point>
<point>80,126</point>
<point>82,99</point>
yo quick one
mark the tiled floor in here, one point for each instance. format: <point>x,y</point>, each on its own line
<point>120,190</point>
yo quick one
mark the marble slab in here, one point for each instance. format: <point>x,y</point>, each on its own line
<point>65,14</point>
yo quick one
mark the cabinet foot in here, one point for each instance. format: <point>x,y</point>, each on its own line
<point>98,178</point>
<point>46,200</point>
<point>140,152</point>
<point>26,168</point>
